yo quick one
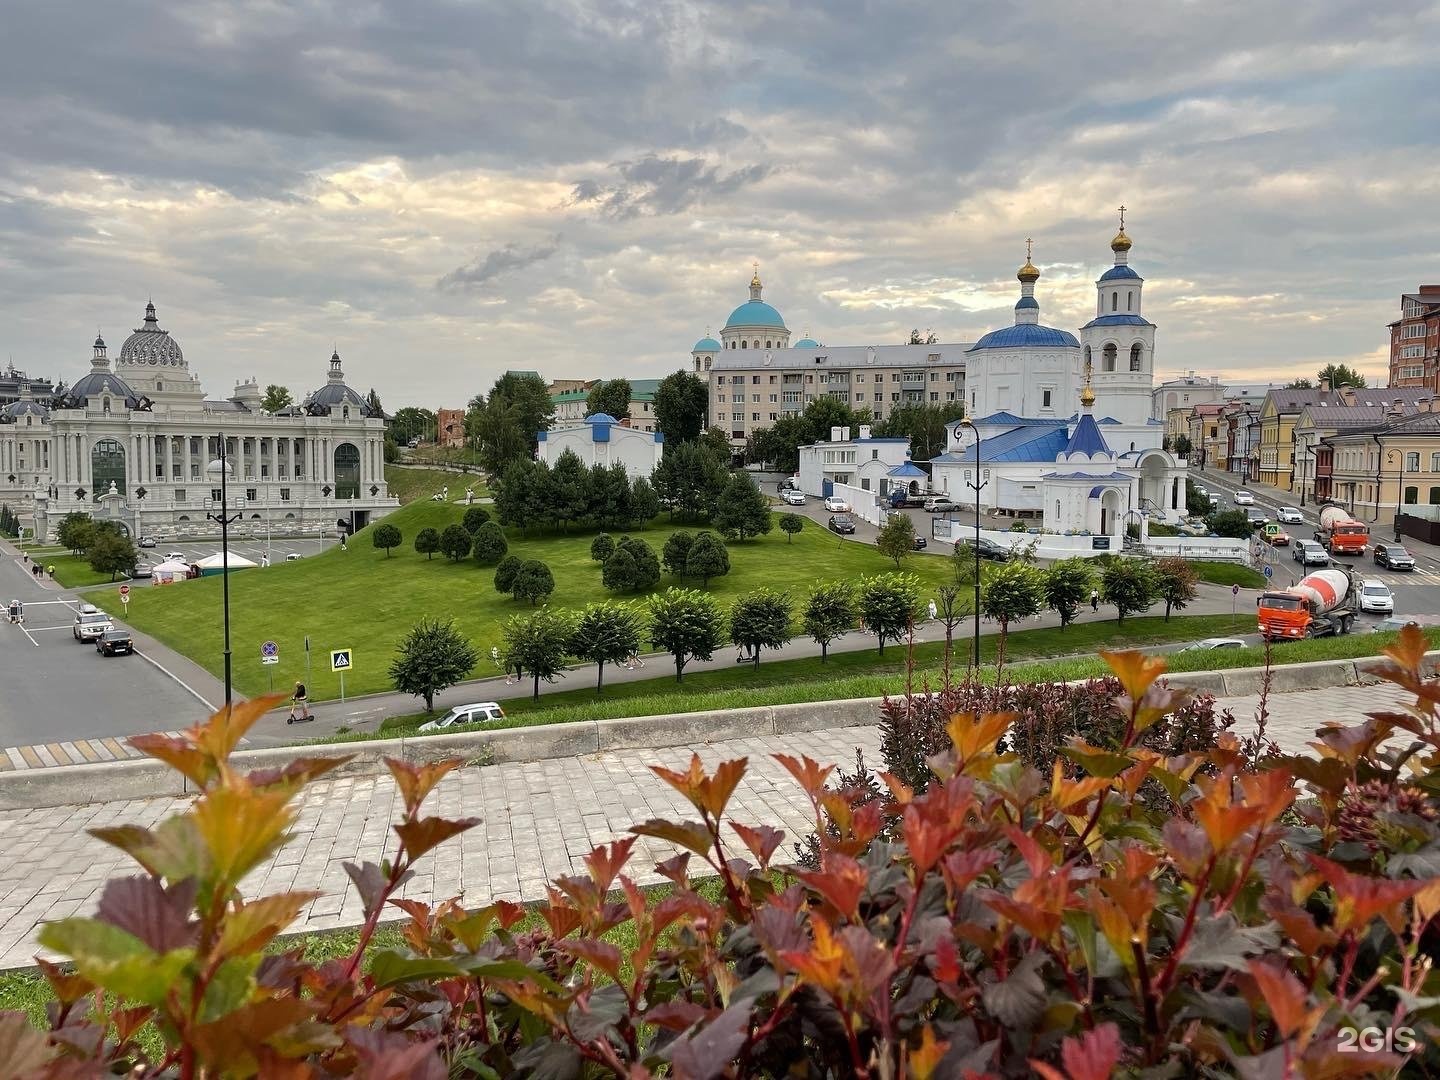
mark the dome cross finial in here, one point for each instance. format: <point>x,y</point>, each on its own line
<point>755,282</point>
<point>1029,243</point>
<point>1122,217</point>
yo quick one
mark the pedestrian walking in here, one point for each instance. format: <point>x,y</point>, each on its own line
<point>933,611</point>
<point>298,700</point>
<point>51,570</point>
<point>1094,599</point>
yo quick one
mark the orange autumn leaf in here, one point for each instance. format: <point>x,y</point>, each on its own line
<point>708,794</point>
<point>973,734</point>
<point>822,963</point>
<point>1285,998</point>
<point>1359,898</point>
<point>1135,670</point>
<point>1067,793</point>
<point>415,782</point>
<point>840,880</point>
<point>1408,648</point>
<point>1223,821</point>
<point>925,1058</point>
<point>808,773</point>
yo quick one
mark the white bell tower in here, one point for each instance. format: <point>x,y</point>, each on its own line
<point>1118,345</point>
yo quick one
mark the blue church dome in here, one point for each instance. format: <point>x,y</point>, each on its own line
<point>755,313</point>
<point>1026,335</point>
<point>706,344</point>
<point>1117,273</point>
<point>1027,302</point>
<point>807,343</point>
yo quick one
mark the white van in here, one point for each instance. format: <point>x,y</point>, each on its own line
<point>479,713</point>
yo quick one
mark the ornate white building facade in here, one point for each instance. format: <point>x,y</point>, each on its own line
<point>132,441</point>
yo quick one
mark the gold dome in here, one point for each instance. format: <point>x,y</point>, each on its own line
<point>1087,396</point>
<point>1121,241</point>
<point>1028,273</point>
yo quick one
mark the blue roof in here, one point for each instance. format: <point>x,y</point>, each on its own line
<point>907,470</point>
<point>1004,417</point>
<point>1032,444</point>
<point>1023,335</point>
<point>1115,273</point>
<point>1086,438</point>
<point>706,344</point>
<point>806,343</point>
<point>601,418</point>
<point>1119,320</point>
<point>1027,302</point>
<point>755,313</point>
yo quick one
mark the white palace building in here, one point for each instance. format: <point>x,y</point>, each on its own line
<point>133,439</point>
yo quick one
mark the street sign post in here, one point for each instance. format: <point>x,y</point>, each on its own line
<point>269,656</point>
<point>341,661</point>
<point>125,595</point>
<point>307,659</point>
<point>1234,592</point>
<point>1269,572</point>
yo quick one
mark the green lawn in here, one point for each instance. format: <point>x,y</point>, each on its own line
<point>1218,573</point>
<point>73,571</point>
<point>410,485</point>
<point>361,600</point>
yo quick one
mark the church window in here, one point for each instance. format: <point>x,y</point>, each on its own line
<point>769,345</point>
<point>1135,357</point>
<point>107,407</point>
<point>1087,355</point>
<point>1129,301</point>
<point>756,345</point>
<point>1108,361</point>
<point>744,344</point>
<point>1114,301</point>
<point>1045,398</point>
<point>159,386</point>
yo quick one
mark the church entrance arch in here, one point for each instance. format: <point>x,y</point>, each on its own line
<point>1110,512</point>
<point>107,466</point>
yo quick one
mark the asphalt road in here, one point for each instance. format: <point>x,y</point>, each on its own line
<point>54,688</point>
<point>1416,592</point>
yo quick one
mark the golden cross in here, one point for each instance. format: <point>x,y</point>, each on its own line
<point>1028,242</point>
<point>1122,219</point>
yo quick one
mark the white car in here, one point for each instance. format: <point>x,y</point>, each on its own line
<point>480,713</point>
<point>1215,643</point>
<point>1244,498</point>
<point>294,556</point>
<point>1375,596</point>
<point>792,498</point>
<point>1289,515</point>
<point>836,505</point>
<point>176,556</point>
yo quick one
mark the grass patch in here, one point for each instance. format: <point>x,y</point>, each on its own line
<point>361,600</point>
<point>411,485</point>
<point>1219,573</point>
<point>74,572</point>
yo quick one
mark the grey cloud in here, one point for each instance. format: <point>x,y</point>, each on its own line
<point>664,185</point>
<point>497,263</point>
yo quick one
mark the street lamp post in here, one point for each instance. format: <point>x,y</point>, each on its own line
<point>975,486</point>
<point>221,467</point>
<point>1400,491</point>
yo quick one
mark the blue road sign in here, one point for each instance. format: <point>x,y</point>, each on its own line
<point>1269,572</point>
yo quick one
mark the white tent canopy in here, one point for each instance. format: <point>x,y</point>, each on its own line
<point>171,566</point>
<point>217,562</point>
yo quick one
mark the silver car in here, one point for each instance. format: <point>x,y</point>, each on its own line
<point>479,713</point>
<point>1375,596</point>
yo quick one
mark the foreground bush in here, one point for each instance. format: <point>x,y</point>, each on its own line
<point>1004,922</point>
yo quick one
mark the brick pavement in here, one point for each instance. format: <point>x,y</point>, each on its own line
<point>539,818</point>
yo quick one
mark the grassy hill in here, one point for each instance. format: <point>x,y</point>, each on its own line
<point>361,600</point>
<point>411,485</point>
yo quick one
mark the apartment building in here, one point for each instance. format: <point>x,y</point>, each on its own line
<point>1415,340</point>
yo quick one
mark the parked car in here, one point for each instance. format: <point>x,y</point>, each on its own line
<point>791,497</point>
<point>142,571</point>
<point>147,541</point>
<point>1375,596</point>
<point>919,543</point>
<point>1392,623</point>
<point>176,556</point>
<point>836,505</point>
<point>294,556</point>
<point>1215,643</point>
<point>114,642</point>
<point>939,504</point>
<point>1309,553</point>
<point>1289,515</point>
<point>481,712</point>
<point>1394,556</point>
<point>1244,498</point>
<point>988,549</point>
<point>841,523</point>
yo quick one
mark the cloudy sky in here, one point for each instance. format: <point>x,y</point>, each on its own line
<point>448,189</point>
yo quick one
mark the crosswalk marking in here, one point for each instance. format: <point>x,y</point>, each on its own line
<point>74,752</point>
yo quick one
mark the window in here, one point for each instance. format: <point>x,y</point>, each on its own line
<point>754,416</point>
<point>1435,496</point>
<point>934,376</point>
<point>250,494</point>
<point>874,455</point>
<point>859,376</point>
<point>1045,398</point>
<point>1435,462</point>
<point>1409,352</point>
<point>755,380</point>
<point>720,380</point>
<point>1129,301</point>
<point>894,397</point>
<point>772,399</point>
<point>1412,462</point>
<point>934,396</point>
<point>215,495</point>
<point>1417,330</point>
<point>879,397</point>
<point>284,494</point>
<point>894,376</point>
<point>755,398</point>
<point>179,495</point>
<point>1108,363</point>
<point>1114,301</point>
<point>772,416</point>
<point>744,345</point>
<point>1412,496</point>
<point>773,380</point>
<point>1413,372</point>
<point>1135,356</point>
<point>768,345</point>
<point>737,416</point>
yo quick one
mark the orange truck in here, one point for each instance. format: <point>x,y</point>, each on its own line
<point>1322,603</point>
<point>1341,534</point>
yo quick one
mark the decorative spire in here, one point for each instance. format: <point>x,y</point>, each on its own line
<point>335,373</point>
<point>1087,394</point>
<point>99,359</point>
<point>755,283</point>
<point>1028,274</point>
<point>1027,308</point>
<point>1121,244</point>
<point>150,312</point>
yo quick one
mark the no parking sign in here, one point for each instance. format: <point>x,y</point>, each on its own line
<point>125,594</point>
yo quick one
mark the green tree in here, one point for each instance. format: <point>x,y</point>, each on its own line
<point>1340,375</point>
<point>386,536</point>
<point>75,531</point>
<point>950,608</point>
<point>790,524</point>
<point>111,552</point>
<point>533,582</point>
<point>760,620</point>
<point>717,442</point>
<point>606,633</point>
<point>611,396</point>
<point>687,624</point>
<point>676,551</point>
<point>644,503</point>
<point>276,398</point>
<point>963,564</point>
<point>602,547</point>
<point>608,496</point>
<point>1300,384</point>
<point>1196,504</point>
<point>537,643</point>
<point>1130,585</point>
<point>1231,523</point>
<point>505,425</point>
<point>1175,581</point>
<point>887,604</point>
<point>1183,446</point>
<point>741,510</point>
<point>828,613</point>
<point>475,516</point>
<point>433,656</point>
<point>1014,591</point>
<point>927,426</point>
<point>618,573</point>
<point>490,544</point>
<point>689,480</point>
<point>1067,586</point>
<point>647,565</point>
<point>897,537</point>
<point>779,444</point>
<point>412,423</point>
<point>567,496</point>
<point>682,402</point>
<point>427,542</point>
<point>511,490</point>
<point>455,542</point>
<point>708,558</point>
<point>506,572</point>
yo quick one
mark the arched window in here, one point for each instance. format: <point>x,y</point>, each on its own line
<point>1108,363</point>
<point>107,465</point>
<point>1114,301</point>
<point>756,345</point>
<point>106,407</point>
<point>1135,357</point>
<point>1087,355</point>
<point>768,345</point>
<point>1129,301</point>
<point>345,413</point>
<point>707,363</point>
<point>347,471</point>
<point>744,344</point>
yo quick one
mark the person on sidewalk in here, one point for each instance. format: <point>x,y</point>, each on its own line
<point>1094,599</point>
<point>298,700</point>
<point>934,611</point>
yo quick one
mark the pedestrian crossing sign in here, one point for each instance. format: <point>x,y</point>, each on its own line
<point>340,660</point>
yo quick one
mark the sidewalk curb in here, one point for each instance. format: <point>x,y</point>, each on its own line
<point>114,781</point>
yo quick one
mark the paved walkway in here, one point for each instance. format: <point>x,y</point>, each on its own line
<point>539,819</point>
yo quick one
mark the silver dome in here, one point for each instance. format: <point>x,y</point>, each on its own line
<point>150,346</point>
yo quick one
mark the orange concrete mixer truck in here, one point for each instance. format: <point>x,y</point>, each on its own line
<point>1325,602</point>
<point>1341,534</point>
